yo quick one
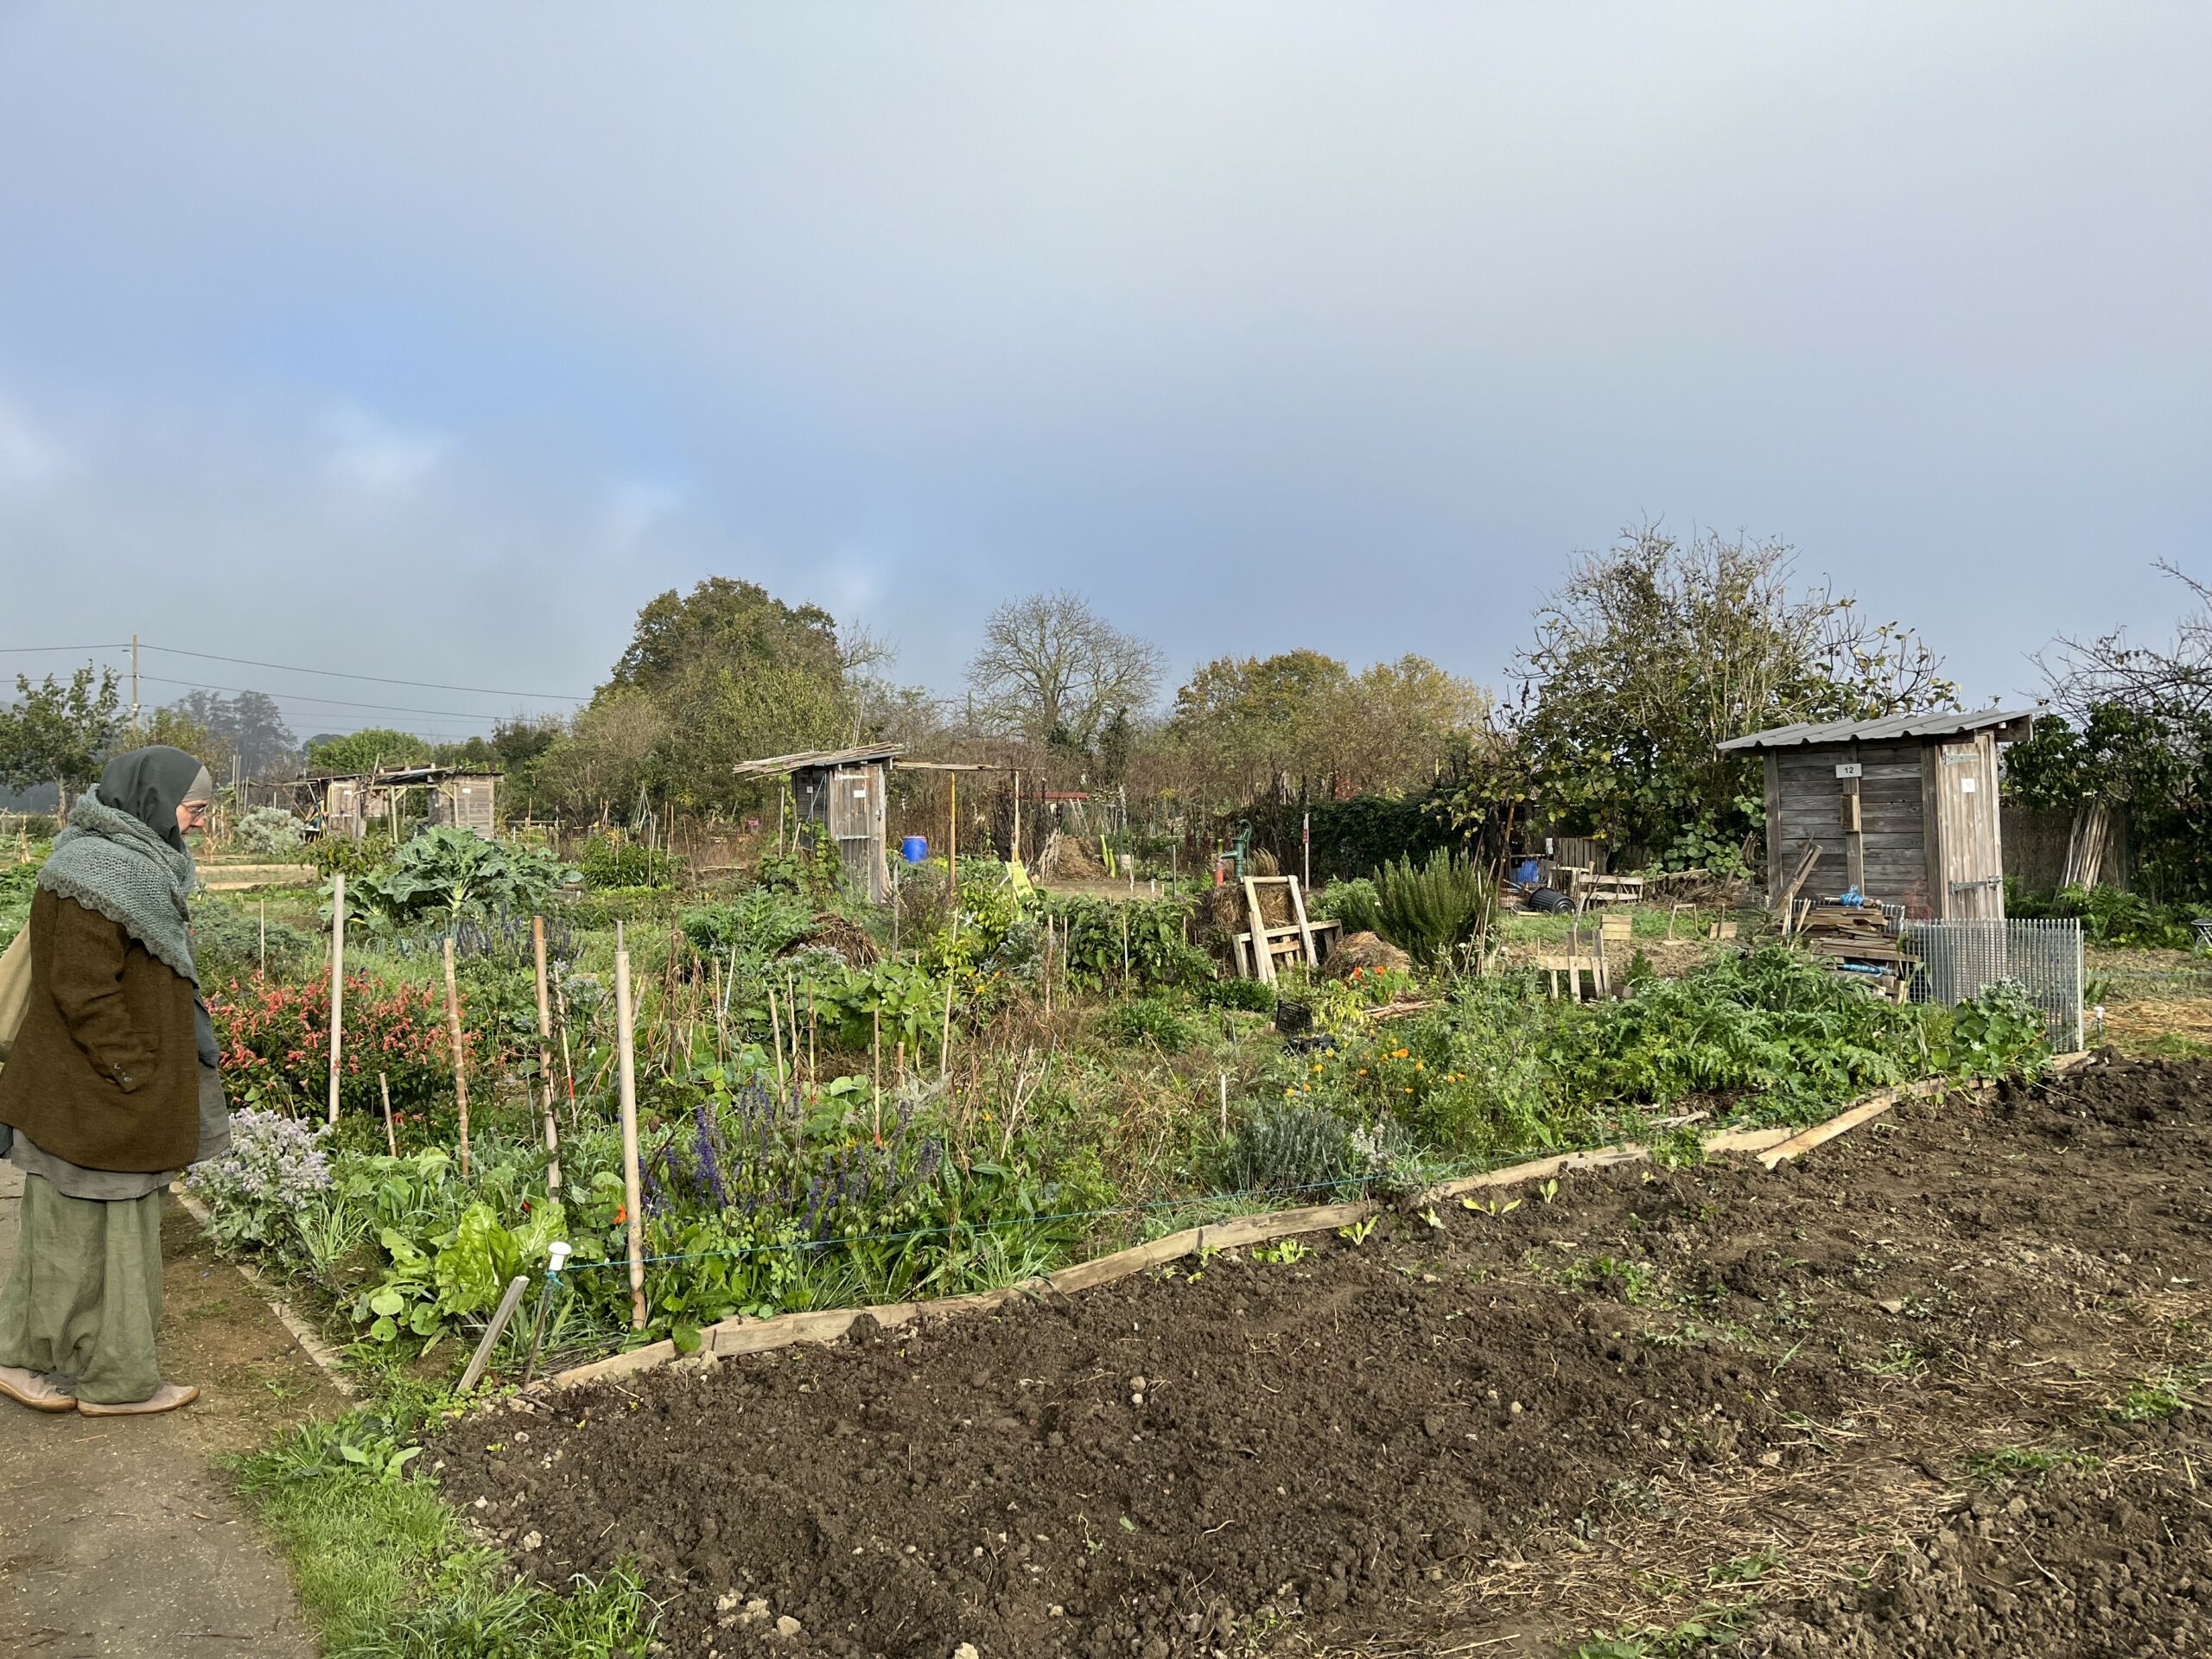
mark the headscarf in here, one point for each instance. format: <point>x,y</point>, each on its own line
<point>151,782</point>
<point>126,858</point>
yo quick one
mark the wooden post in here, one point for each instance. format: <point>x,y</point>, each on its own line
<point>391,1140</point>
<point>460,1062</point>
<point>337,984</point>
<point>492,1333</point>
<point>545,1059</point>
<point>633,1186</point>
<point>264,938</point>
<point>1263,956</point>
<point>1013,846</point>
<point>953,852</point>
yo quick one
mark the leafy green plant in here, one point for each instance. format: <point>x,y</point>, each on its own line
<point>1147,1019</point>
<point>615,860</point>
<point>1104,941</point>
<point>1998,1033</point>
<point>1356,903</point>
<point>1283,1252</point>
<point>450,871</point>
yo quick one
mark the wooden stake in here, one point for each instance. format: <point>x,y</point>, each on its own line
<point>776,1031</point>
<point>391,1140</point>
<point>633,1185</point>
<point>944,1039</point>
<point>264,938</point>
<point>545,1059</point>
<point>482,1358</point>
<point>460,1066</point>
<point>337,985</point>
<point>875,1061</point>
<point>568,1065</point>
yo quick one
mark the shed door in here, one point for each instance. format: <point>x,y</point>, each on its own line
<point>1973,866</point>
<point>853,815</point>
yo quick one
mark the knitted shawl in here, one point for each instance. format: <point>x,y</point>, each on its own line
<point>112,862</point>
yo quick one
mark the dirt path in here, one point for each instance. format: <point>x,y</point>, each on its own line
<point>119,1538</point>
<point>1837,1407</point>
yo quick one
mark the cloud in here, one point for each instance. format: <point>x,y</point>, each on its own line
<point>366,455</point>
<point>28,460</point>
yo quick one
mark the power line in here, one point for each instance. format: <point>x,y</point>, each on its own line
<point>332,673</point>
<point>30,650</point>
<point>334,702</point>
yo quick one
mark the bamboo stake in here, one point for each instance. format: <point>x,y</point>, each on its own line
<point>545,1059</point>
<point>633,1193</point>
<point>264,938</point>
<point>776,1032</point>
<point>944,1039</point>
<point>337,984</point>
<point>568,1065</point>
<point>875,1064</point>
<point>460,1069</point>
<point>391,1140</point>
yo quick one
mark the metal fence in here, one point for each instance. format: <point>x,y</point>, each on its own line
<point>1960,960</point>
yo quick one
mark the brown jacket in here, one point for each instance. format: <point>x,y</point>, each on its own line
<point>105,1071</point>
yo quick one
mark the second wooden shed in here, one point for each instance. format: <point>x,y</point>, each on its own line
<point>841,793</point>
<point>1904,809</point>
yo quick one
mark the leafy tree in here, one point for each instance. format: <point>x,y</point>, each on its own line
<point>1301,718</point>
<point>724,674</point>
<point>366,750</point>
<point>249,725</point>
<point>61,733</point>
<point>1656,650</point>
<point>1049,663</point>
<point>179,730</point>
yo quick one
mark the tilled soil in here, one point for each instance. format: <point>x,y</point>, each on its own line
<point>1928,1391</point>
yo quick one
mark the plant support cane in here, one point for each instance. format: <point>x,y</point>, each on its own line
<point>627,1061</point>
<point>545,1061</point>
<point>338,988</point>
<point>460,1064</point>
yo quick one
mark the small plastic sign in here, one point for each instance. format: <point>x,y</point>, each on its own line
<point>1848,769</point>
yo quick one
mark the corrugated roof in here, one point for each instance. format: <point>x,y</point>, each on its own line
<point>809,759</point>
<point>1954,724</point>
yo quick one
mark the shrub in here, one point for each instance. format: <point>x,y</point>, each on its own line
<point>1147,1019</point>
<point>226,944</point>
<point>759,925</point>
<point>1253,995</point>
<point>1093,932</point>
<point>617,861</point>
<point>275,1164</point>
<point>275,1042</point>
<point>2110,917</point>
<point>1286,1145</point>
<point>269,831</point>
<point>1430,910</point>
<point>16,884</point>
<point>1355,903</point>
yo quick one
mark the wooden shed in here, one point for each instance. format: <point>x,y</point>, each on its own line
<point>349,804</point>
<point>1904,809</point>
<point>841,791</point>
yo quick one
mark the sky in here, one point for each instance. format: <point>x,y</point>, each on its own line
<point>430,341</point>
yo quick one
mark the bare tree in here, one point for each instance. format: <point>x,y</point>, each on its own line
<point>2175,681</point>
<point>1049,663</point>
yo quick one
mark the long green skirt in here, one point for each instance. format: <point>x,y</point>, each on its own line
<point>86,1297</point>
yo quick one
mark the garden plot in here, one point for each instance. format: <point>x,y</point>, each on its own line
<point>1814,1411</point>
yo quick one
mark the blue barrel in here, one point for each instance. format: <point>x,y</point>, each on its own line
<point>915,850</point>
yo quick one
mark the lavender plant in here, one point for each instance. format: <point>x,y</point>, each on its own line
<point>274,1167</point>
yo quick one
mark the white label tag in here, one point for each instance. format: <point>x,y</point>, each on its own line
<point>1848,769</point>
<point>1966,786</point>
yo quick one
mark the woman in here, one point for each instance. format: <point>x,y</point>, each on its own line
<point>110,1090</point>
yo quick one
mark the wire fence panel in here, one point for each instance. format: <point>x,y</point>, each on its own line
<point>1960,960</point>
